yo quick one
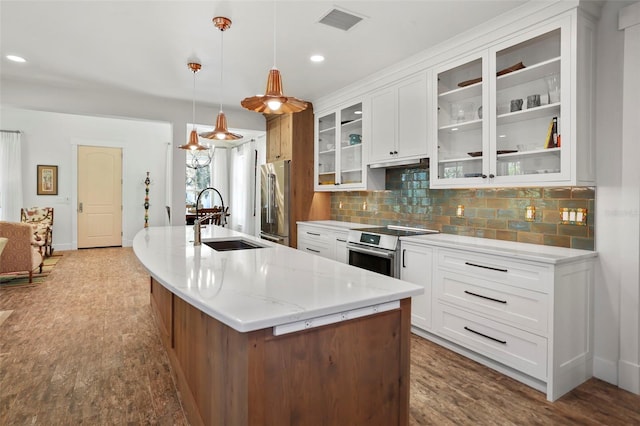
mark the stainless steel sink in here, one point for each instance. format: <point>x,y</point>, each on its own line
<point>232,244</point>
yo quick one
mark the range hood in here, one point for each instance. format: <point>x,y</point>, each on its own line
<point>405,162</point>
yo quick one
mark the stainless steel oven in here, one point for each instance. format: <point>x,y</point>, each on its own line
<point>378,249</point>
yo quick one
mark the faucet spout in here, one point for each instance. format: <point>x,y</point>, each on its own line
<point>197,239</point>
<point>210,188</point>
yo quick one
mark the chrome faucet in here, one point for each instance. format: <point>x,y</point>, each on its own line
<point>197,223</point>
<point>222,219</point>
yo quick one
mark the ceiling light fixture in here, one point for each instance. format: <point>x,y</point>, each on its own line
<point>15,58</point>
<point>221,132</point>
<point>193,144</point>
<point>273,101</point>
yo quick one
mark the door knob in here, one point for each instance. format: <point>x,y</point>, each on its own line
<point>80,207</point>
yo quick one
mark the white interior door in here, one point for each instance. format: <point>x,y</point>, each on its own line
<point>99,197</point>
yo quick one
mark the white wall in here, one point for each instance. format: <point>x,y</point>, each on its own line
<point>611,215</point>
<point>116,103</point>
<point>53,138</point>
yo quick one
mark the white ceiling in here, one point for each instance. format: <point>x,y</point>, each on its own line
<point>144,46</point>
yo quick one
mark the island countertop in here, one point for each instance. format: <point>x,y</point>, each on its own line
<point>258,288</point>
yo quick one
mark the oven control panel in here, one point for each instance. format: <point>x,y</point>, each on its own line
<point>372,239</point>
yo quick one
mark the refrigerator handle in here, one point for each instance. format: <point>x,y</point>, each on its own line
<point>271,197</point>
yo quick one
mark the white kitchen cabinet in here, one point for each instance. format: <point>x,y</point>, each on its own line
<point>523,309</point>
<point>315,240</point>
<point>339,162</point>
<point>325,238</point>
<point>417,268</point>
<point>341,253</point>
<point>496,130</point>
<point>399,122</point>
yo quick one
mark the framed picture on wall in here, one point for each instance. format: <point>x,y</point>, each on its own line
<point>47,180</point>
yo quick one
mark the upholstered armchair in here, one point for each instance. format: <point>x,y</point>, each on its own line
<point>19,254</point>
<point>41,218</point>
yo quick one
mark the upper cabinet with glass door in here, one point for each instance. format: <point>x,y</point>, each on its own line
<point>461,132</point>
<point>512,124</point>
<point>338,159</point>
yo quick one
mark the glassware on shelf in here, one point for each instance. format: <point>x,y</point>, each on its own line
<point>553,87</point>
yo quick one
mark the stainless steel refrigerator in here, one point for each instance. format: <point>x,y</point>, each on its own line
<point>274,201</point>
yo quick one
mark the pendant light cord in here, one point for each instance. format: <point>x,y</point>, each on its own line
<point>193,105</point>
<point>221,63</point>
<point>275,19</point>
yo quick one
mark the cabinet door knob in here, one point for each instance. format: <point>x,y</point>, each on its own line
<point>484,176</point>
<point>390,152</point>
<point>492,175</point>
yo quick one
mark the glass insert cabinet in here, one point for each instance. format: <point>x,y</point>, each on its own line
<point>503,113</point>
<point>338,156</point>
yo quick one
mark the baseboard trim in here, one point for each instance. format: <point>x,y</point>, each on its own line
<point>606,370</point>
<point>629,377</point>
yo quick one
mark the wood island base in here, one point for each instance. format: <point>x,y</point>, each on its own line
<point>354,372</point>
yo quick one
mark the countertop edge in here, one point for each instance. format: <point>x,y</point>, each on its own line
<point>522,251</point>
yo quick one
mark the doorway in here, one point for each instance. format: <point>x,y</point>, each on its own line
<point>99,197</point>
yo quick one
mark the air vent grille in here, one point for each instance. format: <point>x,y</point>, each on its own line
<point>340,19</point>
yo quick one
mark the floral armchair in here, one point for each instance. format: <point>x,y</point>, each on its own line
<point>41,219</point>
<point>20,254</point>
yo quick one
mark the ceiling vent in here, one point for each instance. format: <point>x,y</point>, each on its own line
<point>340,19</point>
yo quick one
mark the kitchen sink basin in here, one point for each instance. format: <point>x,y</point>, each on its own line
<point>232,244</point>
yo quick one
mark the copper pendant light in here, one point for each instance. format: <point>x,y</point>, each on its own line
<point>193,144</point>
<point>221,132</point>
<point>273,101</point>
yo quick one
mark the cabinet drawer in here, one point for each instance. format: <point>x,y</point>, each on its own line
<point>515,348</point>
<point>496,268</point>
<point>320,236</point>
<point>314,247</point>
<point>514,306</point>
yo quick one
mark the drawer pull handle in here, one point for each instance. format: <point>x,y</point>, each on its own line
<point>315,251</point>
<point>485,267</point>
<point>504,342</point>
<point>313,233</point>
<point>485,297</point>
<point>342,241</point>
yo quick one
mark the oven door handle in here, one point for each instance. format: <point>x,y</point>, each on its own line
<point>378,253</point>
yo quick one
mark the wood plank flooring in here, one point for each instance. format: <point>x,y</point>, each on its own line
<point>82,348</point>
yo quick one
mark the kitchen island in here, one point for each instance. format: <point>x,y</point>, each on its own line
<point>273,335</point>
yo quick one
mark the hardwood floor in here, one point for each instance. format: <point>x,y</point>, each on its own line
<point>83,348</point>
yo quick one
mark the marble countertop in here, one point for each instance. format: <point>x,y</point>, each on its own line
<point>523,251</point>
<point>259,288</point>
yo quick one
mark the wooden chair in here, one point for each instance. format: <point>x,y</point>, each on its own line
<point>41,218</point>
<point>19,254</point>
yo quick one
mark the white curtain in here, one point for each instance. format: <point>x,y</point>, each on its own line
<point>220,175</point>
<point>243,188</point>
<point>10,176</point>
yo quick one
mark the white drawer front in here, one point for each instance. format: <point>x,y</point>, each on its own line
<point>496,268</point>
<point>314,247</point>
<point>512,305</point>
<point>314,234</point>
<point>515,348</point>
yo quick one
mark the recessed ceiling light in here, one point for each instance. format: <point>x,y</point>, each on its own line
<point>317,58</point>
<point>15,58</point>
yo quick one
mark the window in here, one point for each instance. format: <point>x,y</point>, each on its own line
<point>198,175</point>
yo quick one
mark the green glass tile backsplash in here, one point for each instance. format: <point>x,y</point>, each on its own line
<point>488,213</point>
